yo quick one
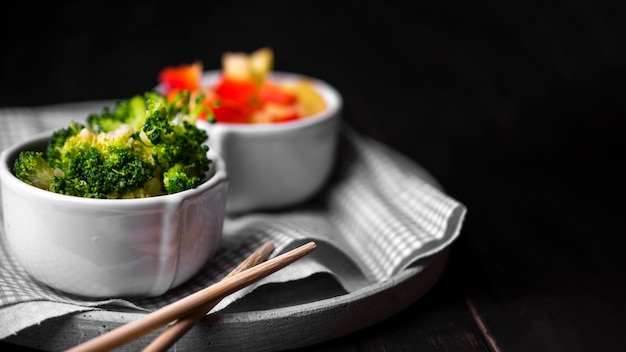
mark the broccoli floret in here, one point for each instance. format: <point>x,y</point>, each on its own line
<point>177,179</point>
<point>192,106</point>
<point>53,151</point>
<point>145,146</point>
<point>173,139</point>
<point>129,112</point>
<point>158,124</point>
<point>32,168</point>
<point>92,173</point>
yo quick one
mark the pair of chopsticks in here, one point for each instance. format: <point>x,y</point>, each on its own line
<point>186,312</point>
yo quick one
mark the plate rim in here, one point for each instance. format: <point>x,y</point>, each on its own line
<point>275,329</point>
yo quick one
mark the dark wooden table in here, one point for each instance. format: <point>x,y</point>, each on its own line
<point>516,107</point>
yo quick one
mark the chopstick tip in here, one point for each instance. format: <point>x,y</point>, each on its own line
<point>310,245</point>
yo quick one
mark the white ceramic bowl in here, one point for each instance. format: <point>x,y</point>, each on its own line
<point>111,247</point>
<point>273,166</point>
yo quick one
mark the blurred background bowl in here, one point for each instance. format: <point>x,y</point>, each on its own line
<point>111,247</point>
<point>276,165</point>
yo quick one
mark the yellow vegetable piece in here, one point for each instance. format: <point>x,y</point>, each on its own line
<point>261,63</point>
<point>244,67</point>
<point>310,100</point>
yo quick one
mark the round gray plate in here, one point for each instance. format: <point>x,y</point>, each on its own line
<point>273,317</point>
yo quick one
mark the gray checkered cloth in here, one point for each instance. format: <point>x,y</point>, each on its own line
<point>380,213</point>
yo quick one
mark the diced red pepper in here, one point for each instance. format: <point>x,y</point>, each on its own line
<point>273,93</point>
<point>275,113</point>
<point>286,118</point>
<point>245,95</point>
<point>229,112</point>
<point>183,77</point>
<point>239,92</point>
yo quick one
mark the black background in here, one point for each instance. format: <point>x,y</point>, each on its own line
<point>516,107</point>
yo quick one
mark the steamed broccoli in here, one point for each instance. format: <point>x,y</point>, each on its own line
<point>56,142</point>
<point>33,169</point>
<point>177,179</point>
<point>145,146</point>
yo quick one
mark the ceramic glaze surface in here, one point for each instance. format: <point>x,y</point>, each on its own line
<point>276,165</point>
<point>111,247</point>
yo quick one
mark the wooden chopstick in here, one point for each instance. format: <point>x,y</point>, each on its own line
<point>179,328</point>
<point>184,306</point>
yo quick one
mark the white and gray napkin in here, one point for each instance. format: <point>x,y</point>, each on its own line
<point>380,213</point>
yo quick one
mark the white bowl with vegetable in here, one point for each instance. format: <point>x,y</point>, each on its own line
<point>128,234</point>
<point>277,165</point>
<point>277,131</point>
